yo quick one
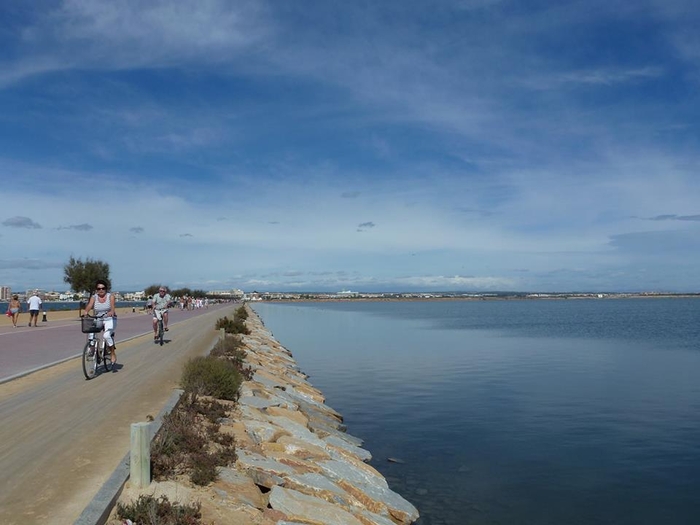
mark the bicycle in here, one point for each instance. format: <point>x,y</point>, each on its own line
<point>95,350</point>
<point>158,314</point>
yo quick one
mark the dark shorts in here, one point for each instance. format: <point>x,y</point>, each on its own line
<point>33,312</point>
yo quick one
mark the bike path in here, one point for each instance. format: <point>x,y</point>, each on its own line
<point>27,349</point>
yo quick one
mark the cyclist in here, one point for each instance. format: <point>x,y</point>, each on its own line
<point>161,302</point>
<point>103,303</point>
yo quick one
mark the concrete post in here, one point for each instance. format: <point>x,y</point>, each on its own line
<point>43,317</point>
<point>222,334</point>
<point>140,459</point>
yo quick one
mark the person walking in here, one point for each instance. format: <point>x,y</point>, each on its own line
<point>15,307</point>
<point>34,305</point>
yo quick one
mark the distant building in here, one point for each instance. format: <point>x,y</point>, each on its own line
<point>135,296</point>
<point>5,293</point>
<point>234,294</point>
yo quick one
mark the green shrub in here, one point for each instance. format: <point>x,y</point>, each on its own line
<point>231,348</point>
<point>148,510</point>
<point>232,326</point>
<point>242,313</point>
<point>213,377</point>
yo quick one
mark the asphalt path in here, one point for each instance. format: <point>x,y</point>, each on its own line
<point>26,349</point>
<point>62,436</point>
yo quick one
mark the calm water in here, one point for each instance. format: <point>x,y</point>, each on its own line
<point>516,412</point>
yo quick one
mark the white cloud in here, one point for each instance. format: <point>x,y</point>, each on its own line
<point>259,139</point>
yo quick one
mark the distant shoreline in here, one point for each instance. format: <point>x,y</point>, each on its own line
<point>528,297</point>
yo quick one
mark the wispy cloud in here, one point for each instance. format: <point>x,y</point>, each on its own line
<point>601,77</point>
<point>21,222</point>
<point>671,217</point>
<point>80,227</point>
<point>29,264</point>
<point>457,282</point>
<point>94,34</point>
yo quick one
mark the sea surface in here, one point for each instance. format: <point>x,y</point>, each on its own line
<point>515,412</point>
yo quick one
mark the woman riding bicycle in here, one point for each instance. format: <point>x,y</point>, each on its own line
<point>161,303</point>
<point>103,303</point>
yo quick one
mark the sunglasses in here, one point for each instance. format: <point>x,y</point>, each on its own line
<point>101,288</point>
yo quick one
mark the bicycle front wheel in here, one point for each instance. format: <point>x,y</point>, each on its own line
<point>106,357</point>
<point>89,360</point>
<point>161,332</point>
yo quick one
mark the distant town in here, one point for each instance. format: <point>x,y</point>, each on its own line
<point>350,295</point>
<point>237,294</point>
<point>46,295</point>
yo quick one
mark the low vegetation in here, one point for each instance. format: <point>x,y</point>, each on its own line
<point>231,348</point>
<point>233,326</point>
<point>148,510</point>
<point>212,376</point>
<point>189,441</point>
<point>242,313</point>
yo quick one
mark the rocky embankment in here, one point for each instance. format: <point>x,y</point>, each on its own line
<point>296,463</point>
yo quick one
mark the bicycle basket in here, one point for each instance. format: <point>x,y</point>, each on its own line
<point>90,325</point>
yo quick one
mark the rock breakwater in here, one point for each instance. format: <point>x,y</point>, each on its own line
<point>296,463</point>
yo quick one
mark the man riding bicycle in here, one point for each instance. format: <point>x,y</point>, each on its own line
<point>161,302</point>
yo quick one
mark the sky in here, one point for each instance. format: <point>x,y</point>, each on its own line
<point>323,145</point>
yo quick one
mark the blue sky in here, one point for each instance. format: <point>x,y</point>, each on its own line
<point>471,145</point>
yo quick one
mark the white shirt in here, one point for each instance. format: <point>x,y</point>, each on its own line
<point>34,302</point>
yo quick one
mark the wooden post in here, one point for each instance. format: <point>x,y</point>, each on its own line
<point>222,334</point>
<point>140,464</point>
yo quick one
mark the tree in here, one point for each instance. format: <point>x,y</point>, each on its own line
<point>181,292</point>
<point>82,275</point>
<point>152,290</point>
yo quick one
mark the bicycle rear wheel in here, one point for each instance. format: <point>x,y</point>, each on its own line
<point>89,360</point>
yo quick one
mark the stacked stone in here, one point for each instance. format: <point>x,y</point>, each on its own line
<point>296,449</point>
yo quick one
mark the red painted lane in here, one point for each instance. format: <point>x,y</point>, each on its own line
<point>24,349</point>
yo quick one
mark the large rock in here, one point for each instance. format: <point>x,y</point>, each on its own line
<point>309,509</point>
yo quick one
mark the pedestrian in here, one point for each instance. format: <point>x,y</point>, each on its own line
<point>33,305</point>
<point>15,307</point>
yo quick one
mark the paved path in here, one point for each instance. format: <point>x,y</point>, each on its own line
<point>61,436</point>
<point>25,349</point>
